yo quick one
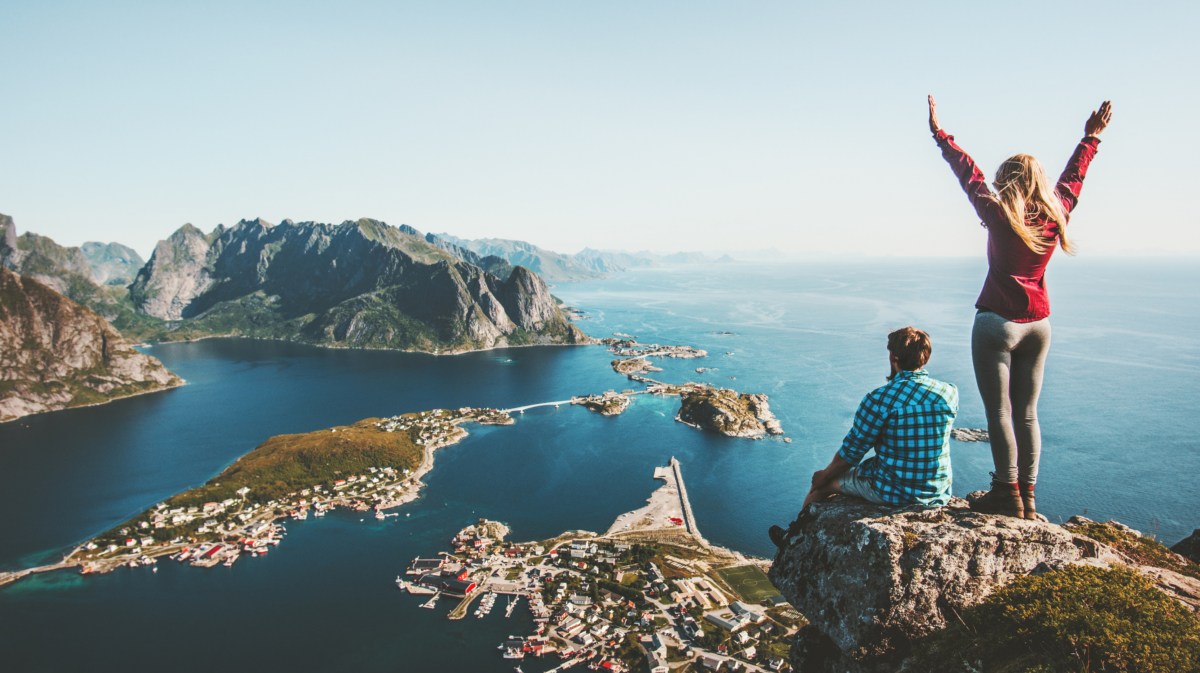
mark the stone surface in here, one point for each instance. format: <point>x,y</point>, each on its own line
<point>874,580</point>
<point>1189,546</point>
<point>56,354</point>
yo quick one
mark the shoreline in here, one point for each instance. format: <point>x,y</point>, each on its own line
<point>592,341</point>
<point>182,382</point>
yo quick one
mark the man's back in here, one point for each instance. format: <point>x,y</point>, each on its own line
<point>907,422</point>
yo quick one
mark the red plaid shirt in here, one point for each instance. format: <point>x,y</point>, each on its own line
<point>1015,287</point>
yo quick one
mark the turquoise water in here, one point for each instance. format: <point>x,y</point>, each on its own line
<point>1115,417</point>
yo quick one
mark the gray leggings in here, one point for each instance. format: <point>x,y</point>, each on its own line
<point>1009,358</point>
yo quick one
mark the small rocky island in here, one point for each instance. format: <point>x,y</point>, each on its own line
<point>970,435</point>
<point>702,406</point>
<point>728,412</point>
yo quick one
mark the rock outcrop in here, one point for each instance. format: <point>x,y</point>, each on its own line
<point>1189,547</point>
<point>874,582</point>
<point>361,284</point>
<point>56,354</point>
<point>728,412</point>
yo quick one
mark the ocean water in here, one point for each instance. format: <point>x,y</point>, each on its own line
<point>1115,416</point>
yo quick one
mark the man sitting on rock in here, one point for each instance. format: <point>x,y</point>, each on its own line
<point>907,422</point>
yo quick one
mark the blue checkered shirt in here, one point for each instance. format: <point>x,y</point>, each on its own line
<point>907,422</point>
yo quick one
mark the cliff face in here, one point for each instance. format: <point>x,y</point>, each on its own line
<point>56,354</point>
<point>361,283</point>
<point>877,585</point>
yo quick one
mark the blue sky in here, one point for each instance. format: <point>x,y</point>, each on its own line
<point>631,125</point>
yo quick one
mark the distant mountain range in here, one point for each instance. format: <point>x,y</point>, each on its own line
<point>362,283</point>
<point>558,267</point>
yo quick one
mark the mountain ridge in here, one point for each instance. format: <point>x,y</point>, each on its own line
<point>361,283</point>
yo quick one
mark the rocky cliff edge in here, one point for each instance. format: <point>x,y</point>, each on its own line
<point>878,585</point>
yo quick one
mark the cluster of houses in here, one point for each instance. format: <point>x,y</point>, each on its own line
<point>221,531</point>
<point>609,603</point>
<point>609,403</point>
<point>439,427</point>
<point>631,348</point>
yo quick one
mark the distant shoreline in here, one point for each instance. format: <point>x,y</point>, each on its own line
<point>182,382</point>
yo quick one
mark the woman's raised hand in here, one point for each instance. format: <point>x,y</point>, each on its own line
<point>934,127</point>
<point>1096,123</point>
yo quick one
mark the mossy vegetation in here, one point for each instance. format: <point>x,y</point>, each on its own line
<point>1079,619</point>
<point>1142,550</point>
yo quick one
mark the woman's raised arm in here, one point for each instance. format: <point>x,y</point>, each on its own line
<point>1070,183</point>
<point>969,176</point>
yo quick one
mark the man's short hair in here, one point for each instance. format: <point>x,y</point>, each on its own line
<point>911,347</point>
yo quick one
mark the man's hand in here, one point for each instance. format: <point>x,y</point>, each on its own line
<point>1096,123</point>
<point>934,127</point>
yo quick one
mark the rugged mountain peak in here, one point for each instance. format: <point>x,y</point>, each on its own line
<point>528,300</point>
<point>56,354</point>
<point>175,274</point>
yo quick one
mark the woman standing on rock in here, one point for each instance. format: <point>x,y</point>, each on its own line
<point>1026,219</point>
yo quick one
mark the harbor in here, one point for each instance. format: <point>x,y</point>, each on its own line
<point>650,591</point>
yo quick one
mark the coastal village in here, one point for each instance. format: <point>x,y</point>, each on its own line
<point>220,532</point>
<point>650,594</point>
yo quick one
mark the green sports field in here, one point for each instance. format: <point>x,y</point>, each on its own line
<point>750,582</point>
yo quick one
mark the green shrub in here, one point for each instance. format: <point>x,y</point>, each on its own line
<point>1080,619</point>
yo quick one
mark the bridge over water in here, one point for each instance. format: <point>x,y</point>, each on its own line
<point>521,410</point>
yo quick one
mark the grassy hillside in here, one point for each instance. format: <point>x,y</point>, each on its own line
<point>288,463</point>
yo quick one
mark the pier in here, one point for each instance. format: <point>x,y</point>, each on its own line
<point>689,519</point>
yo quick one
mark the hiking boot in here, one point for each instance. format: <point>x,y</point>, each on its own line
<point>778,535</point>
<point>1028,502</point>
<point>1002,499</point>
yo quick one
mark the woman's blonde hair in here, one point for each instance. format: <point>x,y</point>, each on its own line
<point>1027,198</point>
